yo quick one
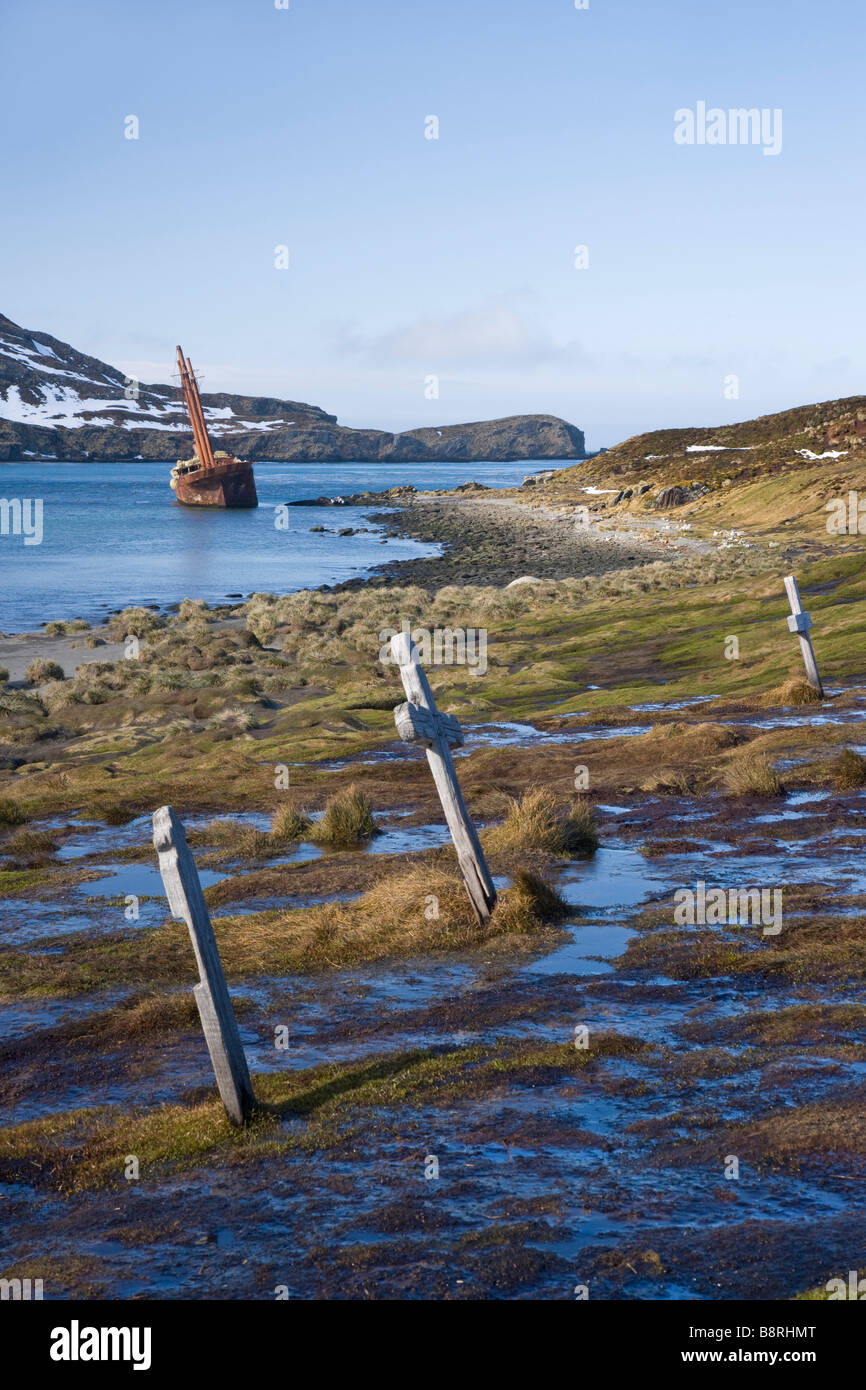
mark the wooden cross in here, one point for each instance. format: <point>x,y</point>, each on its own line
<point>800,622</point>
<point>186,900</point>
<point>419,721</point>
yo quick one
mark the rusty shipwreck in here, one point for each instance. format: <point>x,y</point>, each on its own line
<point>208,479</point>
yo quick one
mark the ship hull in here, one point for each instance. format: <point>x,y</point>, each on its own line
<point>228,484</point>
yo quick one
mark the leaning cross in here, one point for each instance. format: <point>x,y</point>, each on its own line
<point>419,721</point>
<point>186,901</point>
<point>800,622</point>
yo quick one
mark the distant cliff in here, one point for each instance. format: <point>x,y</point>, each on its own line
<point>57,403</point>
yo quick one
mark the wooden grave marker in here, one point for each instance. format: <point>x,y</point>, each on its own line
<point>419,721</point>
<point>185,898</point>
<point>800,623</point>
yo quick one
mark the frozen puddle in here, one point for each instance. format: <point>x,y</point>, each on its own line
<point>29,1015</point>
<point>612,880</point>
<point>139,880</point>
<point>408,839</point>
<point>793,721</point>
<point>22,921</point>
<point>527,736</point>
<point>673,704</point>
<point>94,837</point>
<point>581,955</point>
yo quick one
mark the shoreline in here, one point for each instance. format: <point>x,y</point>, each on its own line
<point>496,540</point>
<point>486,541</point>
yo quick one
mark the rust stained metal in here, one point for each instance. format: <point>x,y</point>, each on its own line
<point>209,481</point>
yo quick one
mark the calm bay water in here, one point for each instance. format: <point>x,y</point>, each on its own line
<point>113,535</point>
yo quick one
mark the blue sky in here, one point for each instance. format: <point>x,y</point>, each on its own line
<point>453,258</point>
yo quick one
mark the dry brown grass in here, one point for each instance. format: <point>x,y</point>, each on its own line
<point>289,823</point>
<point>668,782</point>
<point>41,670</point>
<point>30,848</point>
<point>752,774</point>
<point>425,909</point>
<point>422,910</point>
<point>348,819</point>
<point>537,821</point>
<point>691,741</point>
<point>827,1131</point>
<point>244,840</point>
<point>849,771</point>
<point>11,813</point>
<point>792,692</point>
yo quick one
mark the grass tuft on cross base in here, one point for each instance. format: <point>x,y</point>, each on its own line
<point>793,692</point>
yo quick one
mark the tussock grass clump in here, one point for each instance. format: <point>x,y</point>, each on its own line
<point>528,906</point>
<point>245,840</point>
<point>42,670</point>
<point>580,830</point>
<point>234,717</point>
<point>133,622</point>
<point>792,692</point>
<point>348,819</point>
<point>115,813</point>
<point>246,685</point>
<point>63,629</point>
<point>289,823</point>
<point>194,609</point>
<point>425,909</point>
<point>58,695</point>
<point>530,823</point>
<point>849,771</point>
<point>4,675</point>
<point>26,702</point>
<point>222,832</point>
<point>752,774</point>
<point>30,848</point>
<point>536,821</point>
<point>422,910</point>
<point>695,740</point>
<point>10,813</point>
<point>668,782</point>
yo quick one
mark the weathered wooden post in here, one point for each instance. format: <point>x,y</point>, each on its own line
<point>800,622</point>
<point>419,721</point>
<point>187,903</point>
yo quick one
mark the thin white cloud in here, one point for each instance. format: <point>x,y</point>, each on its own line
<point>493,335</point>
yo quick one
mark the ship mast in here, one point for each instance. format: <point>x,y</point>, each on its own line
<point>191,397</point>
